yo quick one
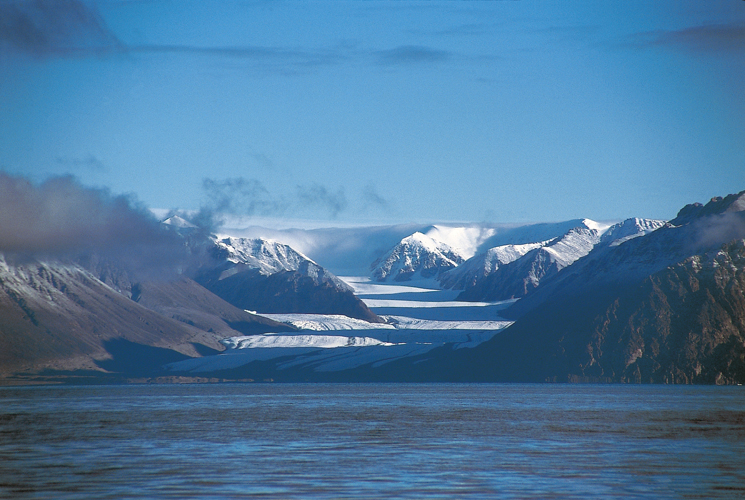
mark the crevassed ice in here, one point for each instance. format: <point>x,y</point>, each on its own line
<point>286,341</point>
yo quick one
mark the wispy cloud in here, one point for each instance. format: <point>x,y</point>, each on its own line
<point>263,161</point>
<point>371,198</point>
<point>273,59</point>
<point>89,162</point>
<point>410,54</point>
<point>243,196</point>
<point>73,28</point>
<point>239,196</point>
<point>472,29</point>
<point>318,196</point>
<point>713,38</point>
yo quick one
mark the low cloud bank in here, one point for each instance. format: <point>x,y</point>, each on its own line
<point>61,218</point>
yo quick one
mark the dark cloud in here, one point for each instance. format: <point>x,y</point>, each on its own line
<point>54,28</point>
<point>64,28</point>
<point>715,38</point>
<point>69,28</point>
<point>61,218</point>
<point>318,196</point>
<point>719,229</point>
<point>410,54</point>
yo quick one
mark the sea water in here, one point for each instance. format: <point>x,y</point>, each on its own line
<point>372,441</point>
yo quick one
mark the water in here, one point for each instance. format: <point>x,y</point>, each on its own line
<point>372,441</point>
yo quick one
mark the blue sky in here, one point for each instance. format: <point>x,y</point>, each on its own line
<point>367,112</point>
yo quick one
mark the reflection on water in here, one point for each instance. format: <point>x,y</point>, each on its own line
<point>372,441</point>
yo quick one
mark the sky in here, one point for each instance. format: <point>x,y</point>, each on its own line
<point>377,112</point>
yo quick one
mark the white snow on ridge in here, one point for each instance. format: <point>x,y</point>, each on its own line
<point>573,246</point>
<point>508,253</point>
<point>179,222</point>
<point>630,229</point>
<point>266,255</point>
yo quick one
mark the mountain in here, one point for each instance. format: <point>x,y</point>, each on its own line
<point>666,307</point>
<point>416,256</point>
<point>271,277</point>
<point>186,301</point>
<point>629,229</point>
<point>513,271</point>
<point>520,276</point>
<point>59,315</point>
<point>696,230</point>
<point>478,267</point>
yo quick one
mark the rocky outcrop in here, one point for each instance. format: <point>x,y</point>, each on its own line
<point>685,324</point>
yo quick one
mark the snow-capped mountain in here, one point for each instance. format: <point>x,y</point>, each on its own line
<point>629,229</point>
<point>270,277</point>
<point>269,257</point>
<point>486,277</point>
<point>638,301</point>
<point>523,274</point>
<point>478,267</point>
<point>415,257</point>
<point>178,222</point>
<point>696,230</point>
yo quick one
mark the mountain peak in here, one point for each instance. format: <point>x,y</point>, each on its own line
<point>179,222</point>
<point>417,255</point>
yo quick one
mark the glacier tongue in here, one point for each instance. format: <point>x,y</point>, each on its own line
<point>300,341</point>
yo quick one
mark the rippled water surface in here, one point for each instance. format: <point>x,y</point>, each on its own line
<point>372,441</point>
